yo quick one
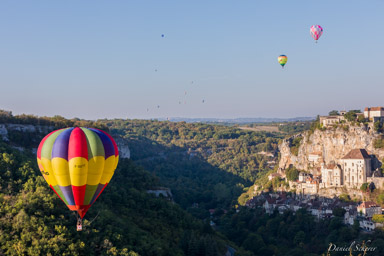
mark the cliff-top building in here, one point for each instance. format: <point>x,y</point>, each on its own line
<point>374,113</point>
<point>331,120</point>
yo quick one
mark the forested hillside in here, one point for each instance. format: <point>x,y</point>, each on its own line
<point>206,167</point>
<point>205,164</point>
<point>124,221</point>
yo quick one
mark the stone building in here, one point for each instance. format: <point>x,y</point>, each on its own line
<point>331,175</point>
<point>310,186</point>
<point>303,176</point>
<point>356,167</point>
<point>368,209</point>
<point>374,114</point>
<point>331,120</point>
<point>314,158</point>
<point>353,170</point>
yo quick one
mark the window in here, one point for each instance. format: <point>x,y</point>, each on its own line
<point>345,164</point>
<point>360,177</point>
<point>345,177</point>
<point>352,164</point>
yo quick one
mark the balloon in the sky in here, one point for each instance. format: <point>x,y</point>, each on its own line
<point>316,31</point>
<point>78,164</point>
<point>162,35</point>
<point>282,59</point>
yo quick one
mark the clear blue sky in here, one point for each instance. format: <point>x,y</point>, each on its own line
<point>97,59</point>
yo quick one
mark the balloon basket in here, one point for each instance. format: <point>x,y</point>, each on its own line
<point>79,225</point>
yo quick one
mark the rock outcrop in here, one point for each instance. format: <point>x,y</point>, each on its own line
<point>332,143</point>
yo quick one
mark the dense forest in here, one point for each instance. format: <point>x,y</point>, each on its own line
<point>124,221</point>
<point>207,168</point>
<point>208,165</point>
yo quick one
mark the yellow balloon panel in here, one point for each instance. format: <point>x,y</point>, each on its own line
<point>61,171</point>
<point>108,170</point>
<point>96,167</point>
<point>47,166</point>
<point>78,169</point>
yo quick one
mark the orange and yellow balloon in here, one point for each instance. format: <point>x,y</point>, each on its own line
<point>78,163</point>
<point>282,59</point>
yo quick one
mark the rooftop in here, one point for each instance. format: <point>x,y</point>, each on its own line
<point>367,204</point>
<point>357,153</point>
<point>374,109</point>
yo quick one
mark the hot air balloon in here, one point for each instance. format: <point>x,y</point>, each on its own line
<point>282,59</point>
<point>316,31</point>
<point>78,163</point>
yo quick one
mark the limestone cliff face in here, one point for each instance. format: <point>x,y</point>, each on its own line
<point>122,145</point>
<point>333,144</point>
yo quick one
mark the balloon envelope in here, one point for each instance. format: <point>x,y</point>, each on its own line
<point>282,59</point>
<point>78,164</point>
<point>316,31</point>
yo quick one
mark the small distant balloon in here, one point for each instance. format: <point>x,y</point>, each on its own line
<point>155,70</point>
<point>162,35</point>
<point>282,59</point>
<point>203,101</point>
<point>316,31</point>
<point>179,102</point>
<point>158,106</point>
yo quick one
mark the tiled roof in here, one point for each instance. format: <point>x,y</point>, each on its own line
<point>367,204</point>
<point>374,109</point>
<point>357,153</point>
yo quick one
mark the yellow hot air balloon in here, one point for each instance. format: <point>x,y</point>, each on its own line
<point>282,59</point>
<point>78,164</point>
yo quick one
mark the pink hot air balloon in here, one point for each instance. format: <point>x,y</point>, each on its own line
<point>316,31</point>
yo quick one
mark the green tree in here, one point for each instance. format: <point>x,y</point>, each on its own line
<point>351,115</point>
<point>364,187</point>
<point>299,237</point>
<point>338,212</point>
<point>292,174</point>
<point>334,113</point>
<point>378,218</point>
<point>380,198</point>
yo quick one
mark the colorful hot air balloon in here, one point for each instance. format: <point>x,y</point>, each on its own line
<point>282,59</point>
<point>316,31</point>
<point>78,164</point>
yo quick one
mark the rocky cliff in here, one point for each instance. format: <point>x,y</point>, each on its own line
<point>332,144</point>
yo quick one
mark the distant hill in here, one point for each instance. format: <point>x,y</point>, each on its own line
<point>236,120</point>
